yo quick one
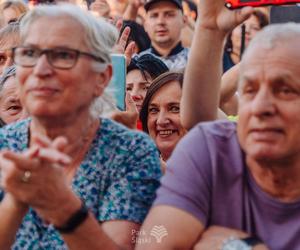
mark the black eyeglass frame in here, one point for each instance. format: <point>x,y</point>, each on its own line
<point>77,54</point>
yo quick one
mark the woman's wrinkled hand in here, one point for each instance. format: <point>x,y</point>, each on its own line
<point>36,176</point>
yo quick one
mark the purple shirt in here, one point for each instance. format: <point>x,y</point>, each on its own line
<point>208,178</point>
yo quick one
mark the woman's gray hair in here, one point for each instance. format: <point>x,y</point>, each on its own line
<point>100,36</point>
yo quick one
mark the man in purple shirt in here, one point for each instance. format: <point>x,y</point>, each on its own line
<point>237,186</point>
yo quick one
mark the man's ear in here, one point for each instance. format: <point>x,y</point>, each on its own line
<point>103,79</point>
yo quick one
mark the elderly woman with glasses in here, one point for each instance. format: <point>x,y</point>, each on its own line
<point>69,179</point>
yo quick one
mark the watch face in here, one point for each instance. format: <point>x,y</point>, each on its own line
<point>236,245</point>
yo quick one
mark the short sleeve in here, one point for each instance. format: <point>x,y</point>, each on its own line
<point>186,184</point>
<point>130,196</point>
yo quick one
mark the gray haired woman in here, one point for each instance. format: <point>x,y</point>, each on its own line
<point>69,179</point>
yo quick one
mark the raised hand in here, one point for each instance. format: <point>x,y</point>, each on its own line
<point>122,46</point>
<point>101,8</point>
<point>215,16</point>
<point>130,116</point>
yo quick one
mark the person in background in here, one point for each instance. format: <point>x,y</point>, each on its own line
<point>117,8</point>
<point>160,113</point>
<point>164,23</point>
<point>232,51</point>
<point>11,109</point>
<point>12,10</point>
<point>135,11</point>
<point>232,56</point>
<point>141,71</point>
<point>100,8</point>
<point>69,178</point>
<point>9,38</point>
<point>190,12</point>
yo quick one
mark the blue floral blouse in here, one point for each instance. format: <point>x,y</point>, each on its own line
<point>117,180</point>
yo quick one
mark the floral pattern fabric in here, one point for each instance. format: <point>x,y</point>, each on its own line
<point>117,180</point>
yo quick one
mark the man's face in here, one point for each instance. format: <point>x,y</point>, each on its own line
<point>269,108</point>
<point>164,22</point>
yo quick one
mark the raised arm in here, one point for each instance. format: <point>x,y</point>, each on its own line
<point>175,229</point>
<point>200,98</point>
<point>228,96</point>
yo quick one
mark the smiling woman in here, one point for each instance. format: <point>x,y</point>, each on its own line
<point>69,178</point>
<point>160,113</point>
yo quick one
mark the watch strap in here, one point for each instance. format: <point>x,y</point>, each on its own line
<point>252,241</point>
<point>75,220</point>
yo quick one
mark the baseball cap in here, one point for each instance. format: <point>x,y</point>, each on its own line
<point>148,3</point>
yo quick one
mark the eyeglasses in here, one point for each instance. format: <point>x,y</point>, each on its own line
<point>59,58</point>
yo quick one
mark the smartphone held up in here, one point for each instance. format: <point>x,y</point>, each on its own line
<point>235,4</point>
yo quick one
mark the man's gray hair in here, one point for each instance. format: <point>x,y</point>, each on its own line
<point>273,35</point>
<point>100,36</point>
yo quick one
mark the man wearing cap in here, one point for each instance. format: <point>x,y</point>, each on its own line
<point>164,22</point>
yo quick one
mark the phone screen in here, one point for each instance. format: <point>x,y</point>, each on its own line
<point>234,4</point>
<point>117,84</point>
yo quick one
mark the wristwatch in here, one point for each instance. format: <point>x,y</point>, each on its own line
<point>241,244</point>
<point>75,220</point>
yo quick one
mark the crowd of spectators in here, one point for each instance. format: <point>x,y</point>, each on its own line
<point>204,155</point>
